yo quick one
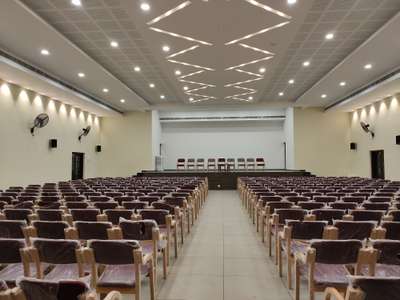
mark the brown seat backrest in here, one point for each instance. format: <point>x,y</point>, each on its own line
<point>114,215</point>
<point>50,214</point>
<point>354,230</point>
<point>12,229</point>
<point>388,251</point>
<point>290,214</point>
<point>367,215</point>
<point>137,230</point>
<point>328,215</point>
<point>35,289</point>
<point>17,214</point>
<point>10,253</point>
<point>158,215</point>
<point>392,230</point>
<point>336,251</point>
<point>50,229</point>
<point>306,230</point>
<point>92,230</point>
<point>114,252</point>
<point>375,288</point>
<point>56,251</point>
<point>89,215</point>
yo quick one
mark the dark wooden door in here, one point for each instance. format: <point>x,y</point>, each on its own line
<point>77,165</point>
<point>378,164</point>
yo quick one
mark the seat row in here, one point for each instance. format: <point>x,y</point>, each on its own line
<point>107,248</point>
<point>220,163</point>
<point>327,246</point>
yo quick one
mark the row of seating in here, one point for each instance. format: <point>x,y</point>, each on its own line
<point>220,163</point>
<point>324,239</point>
<point>57,244</point>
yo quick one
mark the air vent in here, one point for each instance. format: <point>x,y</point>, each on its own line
<point>40,72</point>
<point>216,118</point>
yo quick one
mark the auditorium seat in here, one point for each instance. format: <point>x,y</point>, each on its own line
<point>191,164</point>
<point>181,164</point>
<point>122,261</point>
<point>200,165</point>
<point>326,263</point>
<point>211,164</point>
<point>367,287</point>
<point>260,163</point>
<point>250,163</point>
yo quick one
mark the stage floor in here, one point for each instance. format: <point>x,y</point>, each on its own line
<point>225,180</point>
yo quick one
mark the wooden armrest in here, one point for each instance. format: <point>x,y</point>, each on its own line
<point>114,295</point>
<point>156,234</point>
<point>329,292</point>
<point>310,218</point>
<point>367,256</point>
<point>33,217</point>
<point>136,217</point>
<point>331,233</point>
<point>29,231</point>
<point>286,233</point>
<point>387,218</point>
<point>378,233</point>
<point>71,233</point>
<point>68,218</point>
<point>114,233</point>
<point>102,218</point>
<point>348,218</point>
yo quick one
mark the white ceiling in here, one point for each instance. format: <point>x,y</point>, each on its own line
<point>288,36</point>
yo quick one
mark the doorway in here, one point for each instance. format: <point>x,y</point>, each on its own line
<point>77,165</point>
<point>378,164</point>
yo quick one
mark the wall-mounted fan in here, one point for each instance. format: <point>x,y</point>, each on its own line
<point>39,122</point>
<point>85,132</point>
<point>367,129</point>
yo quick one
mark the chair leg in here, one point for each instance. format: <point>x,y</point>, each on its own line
<point>176,241</point>
<point>279,254</point>
<point>164,254</point>
<point>182,230</point>
<point>152,282</point>
<point>297,281</point>
<point>289,270</point>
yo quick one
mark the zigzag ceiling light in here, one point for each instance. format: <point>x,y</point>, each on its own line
<point>245,92</point>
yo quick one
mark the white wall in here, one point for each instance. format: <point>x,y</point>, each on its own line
<point>27,159</point>
<point>155,134</point>
<point>384,117</point>
<point>224,139</point>
<point>321,141</point>
<point>289,137</point>
<point>127,144</point>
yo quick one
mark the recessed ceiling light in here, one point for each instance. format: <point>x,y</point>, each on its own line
<point>122,100</point>
<point>166,48</point>
<point>329,36</point>
<point>185,88</point>
<point>323,96</point>
<point>306,63</point>
<point>114,44</point>
<point>262,70</point>
<point>250,98</point>
<point>281,94</point>
<point>152,85</point>
<point>191,99</point>
<point>343,83</point>
<point>137,69</point>
<point>81,74</point>
<point>368,66</point>
<point>105,90</point>
<point>145,6</point>
<point>290,2</point>
<point>178,72</point>
<point>162,96</point>
<point>76,2</point>
<point>291,81</point>
<point>45,52</point>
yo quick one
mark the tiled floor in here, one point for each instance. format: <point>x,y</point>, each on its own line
<point>222,259</point>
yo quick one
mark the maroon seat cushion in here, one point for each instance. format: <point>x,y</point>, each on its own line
<point>118,276</point>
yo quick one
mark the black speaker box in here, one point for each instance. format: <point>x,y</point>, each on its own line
<point>53,143</point>
<point>353,146</point>
<point>398,140</point>
<point>98,148</point>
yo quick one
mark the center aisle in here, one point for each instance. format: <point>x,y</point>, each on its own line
<point>223,258</point>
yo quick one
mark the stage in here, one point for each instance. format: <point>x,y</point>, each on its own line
<point>225,180</point>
